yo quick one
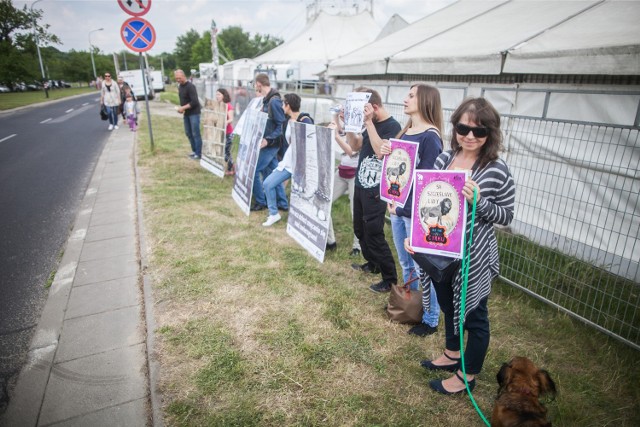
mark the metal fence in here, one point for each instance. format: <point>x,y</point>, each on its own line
<point>574,242</point>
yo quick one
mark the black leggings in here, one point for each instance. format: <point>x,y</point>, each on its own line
<point>476,326</point>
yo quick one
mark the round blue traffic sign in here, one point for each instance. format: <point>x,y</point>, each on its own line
<point>138,34</point>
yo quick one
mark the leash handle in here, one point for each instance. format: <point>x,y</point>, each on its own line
<point>466,261</point>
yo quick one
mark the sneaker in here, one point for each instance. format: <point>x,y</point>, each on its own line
<point>256,207</point>
<point>366,267</point>
<point>354,252</point>
<point>192,155</point>
<point>422,330</point>
<point>116,127</point>
<point>271,219</point>
<point>332,246</point>
<point>196,157</point>
<point>110,127</point>
<point>381,287</point>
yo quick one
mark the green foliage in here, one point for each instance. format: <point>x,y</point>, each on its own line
<point>19,29</point>
<point>182,52</point>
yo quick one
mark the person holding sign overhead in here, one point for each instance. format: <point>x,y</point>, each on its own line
<point>424,108</point>
<point>475,145</point>
<point>368,210</point>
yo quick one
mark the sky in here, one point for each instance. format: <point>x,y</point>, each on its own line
<point>73,20</point>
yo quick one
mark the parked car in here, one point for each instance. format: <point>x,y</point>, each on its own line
<point>62,83</point>
<point>4,89</point>
<point>19,87</point>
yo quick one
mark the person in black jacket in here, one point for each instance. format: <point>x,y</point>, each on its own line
<point>190,107</point>
<point>271,142</point>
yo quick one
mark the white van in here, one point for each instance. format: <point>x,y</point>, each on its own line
<point>157,81</point>
<point>134,79</point>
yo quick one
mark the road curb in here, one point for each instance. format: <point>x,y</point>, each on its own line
<point>153,365</point>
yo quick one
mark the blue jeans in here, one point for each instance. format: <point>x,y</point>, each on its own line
<point>271,185</point>
<point>400,228</point>
<point>192,130</point>
<point>267,162</point>
<point>112,112</point>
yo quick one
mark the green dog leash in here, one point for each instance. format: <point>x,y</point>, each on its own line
<point>466,260</point>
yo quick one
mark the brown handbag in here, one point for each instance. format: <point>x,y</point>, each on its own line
<point>405,304</point>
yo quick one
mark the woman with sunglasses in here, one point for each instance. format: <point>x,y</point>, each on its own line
<point>110,98</point>
<point>475,144</point>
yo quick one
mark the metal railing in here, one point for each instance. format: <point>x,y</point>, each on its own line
<point>574,241</point>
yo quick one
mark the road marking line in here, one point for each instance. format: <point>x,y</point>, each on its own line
<point>97,99</point>
<point>69,110</point>
<point>8,137</point>
<point>45,121</point>
<point>86,103</point>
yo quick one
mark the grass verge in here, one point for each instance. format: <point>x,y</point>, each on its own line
<point>20,99</point>
<point>253,331</point>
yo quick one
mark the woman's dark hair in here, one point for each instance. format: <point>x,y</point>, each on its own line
<point>293,101</point>
<point>480,111</point>
<point>429,105</point>
<point>225,95</point>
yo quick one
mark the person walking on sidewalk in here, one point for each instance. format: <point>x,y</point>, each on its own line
<point>190,108</point>
<point>110,98</point>
<point>131,111</point>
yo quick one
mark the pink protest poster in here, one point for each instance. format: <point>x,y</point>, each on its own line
<point>397,171</point>
<point>439,213</point>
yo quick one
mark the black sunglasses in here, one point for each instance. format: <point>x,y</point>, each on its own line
<point>478,132</point>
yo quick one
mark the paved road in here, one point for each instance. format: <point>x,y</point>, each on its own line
<point>47,156</point>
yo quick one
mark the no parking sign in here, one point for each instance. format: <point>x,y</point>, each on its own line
<point>138,34</point>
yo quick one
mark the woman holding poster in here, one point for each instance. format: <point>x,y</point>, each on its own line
<point>475,144</point>
<point>424,108</point>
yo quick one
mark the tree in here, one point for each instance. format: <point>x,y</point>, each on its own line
<point>239,44</point>
<point>201,50</point>
<point>17,42</point>
<point>182,52</point>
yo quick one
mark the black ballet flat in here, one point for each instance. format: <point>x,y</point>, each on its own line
<point>436,385</point>
<point>428,364</point>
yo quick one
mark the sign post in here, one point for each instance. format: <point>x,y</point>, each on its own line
<point>139,36</point>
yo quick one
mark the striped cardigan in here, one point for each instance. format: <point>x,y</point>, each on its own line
<point>496,206</point>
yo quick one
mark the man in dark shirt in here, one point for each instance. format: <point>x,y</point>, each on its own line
<point>190,107</point>
<point>368,209</point>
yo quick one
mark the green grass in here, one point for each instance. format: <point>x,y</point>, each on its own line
<point>253,331</point>
<point>20,99</point>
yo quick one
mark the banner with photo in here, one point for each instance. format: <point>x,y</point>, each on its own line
<point>254,104</point>
<point>311,187</point>
<point>247,159</point>
<point>214,124</point>
<point>439,214</point>
<point>354,111</point>
<point>397,171</point>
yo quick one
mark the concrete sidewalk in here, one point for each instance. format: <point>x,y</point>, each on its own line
<point>87,363</point>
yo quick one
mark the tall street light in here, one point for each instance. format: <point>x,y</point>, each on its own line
<point>95,76</point>
<point>35,34</point>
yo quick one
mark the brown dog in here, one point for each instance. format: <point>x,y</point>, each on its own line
<point>521,384</point>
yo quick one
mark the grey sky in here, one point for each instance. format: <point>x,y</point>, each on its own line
<point>72,20</point>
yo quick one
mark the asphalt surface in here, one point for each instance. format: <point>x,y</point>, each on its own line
<point>47,157</point>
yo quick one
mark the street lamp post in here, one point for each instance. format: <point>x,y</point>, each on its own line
<point>35,35</point>
<point>95,76</point>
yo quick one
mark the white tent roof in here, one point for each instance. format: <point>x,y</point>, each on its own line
<point>325,38</point>
<point>395,23</point>
<point>602,40</point>
<point>472,37</point>
<point>476,46</point>
<point>371,59</point>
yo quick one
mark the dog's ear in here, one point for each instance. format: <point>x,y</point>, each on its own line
<point>504,375</point>
<point>547,386</point>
